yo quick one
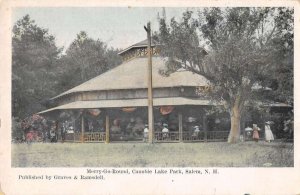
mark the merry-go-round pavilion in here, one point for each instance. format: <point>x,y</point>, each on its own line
<point>113,106</point>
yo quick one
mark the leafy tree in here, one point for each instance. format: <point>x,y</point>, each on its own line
<point>41,71</point>
<point>85,59</point>
<point>240,52</point>
<point>282,79</point>
<point>34,57</point>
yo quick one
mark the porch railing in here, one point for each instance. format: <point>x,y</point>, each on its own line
<point>217,135</point>
<point>94,137</point>
<point>72,137</point>
<point>166,137</point>
<point>159,136</point>
<point>88,137</point>
<point>191,136</point>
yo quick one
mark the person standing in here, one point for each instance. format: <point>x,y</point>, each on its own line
<point>146,133</point>
<point>196,132</point>
<point>165,131</point>
<point>256,130</point>
<point>268,132</point>
<point>52,136</point>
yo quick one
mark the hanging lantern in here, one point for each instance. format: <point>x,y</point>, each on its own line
<point>128,109</point>
<point>94,112</point>
<point>164,110</point>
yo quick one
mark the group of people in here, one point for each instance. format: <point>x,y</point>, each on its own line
<point>133,127</point>
<point>268,132</point>
<point>165,132</point>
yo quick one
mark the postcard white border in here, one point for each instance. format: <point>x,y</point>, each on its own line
<point>230,181</point>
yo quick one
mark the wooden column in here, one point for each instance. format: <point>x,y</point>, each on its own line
<point>74,131</point>
<point>106,129</point>
<point>180,126</point>
<point>56,130</point>
<point>82,129</point>
<point>205,127</point>
<point>150,97</point>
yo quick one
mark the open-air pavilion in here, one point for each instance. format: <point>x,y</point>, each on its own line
<point>113,106</point>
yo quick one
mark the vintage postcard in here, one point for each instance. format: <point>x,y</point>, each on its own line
<point>147,97</point>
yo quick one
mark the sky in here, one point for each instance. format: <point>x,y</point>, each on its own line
<point>118,27</point>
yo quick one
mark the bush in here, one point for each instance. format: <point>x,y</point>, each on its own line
<point>16,130</point>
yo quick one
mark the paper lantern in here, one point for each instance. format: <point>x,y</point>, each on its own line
<point>128,109</point>
<point>166,109</point>
<point>94,112</point>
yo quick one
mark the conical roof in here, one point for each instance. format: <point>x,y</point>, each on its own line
<point>133,75</point>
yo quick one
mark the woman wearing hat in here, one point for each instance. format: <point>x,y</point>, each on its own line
<point>268,133</point>
<point>255,132</point>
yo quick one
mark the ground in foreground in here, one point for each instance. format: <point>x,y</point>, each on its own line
<point>217,154</point>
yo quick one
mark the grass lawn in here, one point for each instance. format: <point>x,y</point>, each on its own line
<point>212,154</point>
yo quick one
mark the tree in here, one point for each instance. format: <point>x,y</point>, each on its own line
<point>282,79</point>
<point>240,52</point>
<point>34,60</point>
<point>86,58</point>
<point>40,70</point>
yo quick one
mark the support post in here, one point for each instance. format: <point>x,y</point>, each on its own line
<point>180,126</point>
<point>106,129</point>
<point>82,129</point>
<point>205,127</point>
<point>150,97</point>
<point>75,129</point>
<point>56,130</point>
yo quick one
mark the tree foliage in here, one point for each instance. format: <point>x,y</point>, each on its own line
<point>241,52</point>
<point>85,59</point>
<point>40,70</point>
<point>34,58</point>
<point>282,81</point>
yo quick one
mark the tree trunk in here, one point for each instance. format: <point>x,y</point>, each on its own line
<point>234,134</point>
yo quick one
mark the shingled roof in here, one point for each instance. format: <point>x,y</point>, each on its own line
<point>133,75</point>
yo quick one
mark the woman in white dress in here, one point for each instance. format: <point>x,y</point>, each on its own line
<point>268,133</point>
